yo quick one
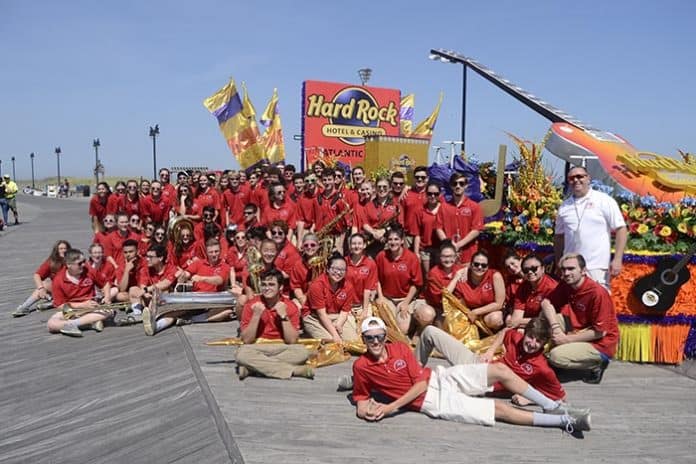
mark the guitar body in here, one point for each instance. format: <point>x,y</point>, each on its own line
<point>658,290</point>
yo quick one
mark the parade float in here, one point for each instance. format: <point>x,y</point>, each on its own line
<point>659,253</point>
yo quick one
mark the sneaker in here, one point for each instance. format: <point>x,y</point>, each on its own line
<point>243,372</point>
<point>44,306</point>
<point>595,375</point>
<point>149,322</point>
<point>578,423</point>
<point>303,371</point>
<point>98,326</point>
<point>71,330</point>
<point>566,409</point>
<point>345,383</point>
<point>21,311</point>
<point>182,322</point>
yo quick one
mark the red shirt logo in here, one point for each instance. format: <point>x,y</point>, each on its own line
<point>402,267</point>
<point>399,364</point>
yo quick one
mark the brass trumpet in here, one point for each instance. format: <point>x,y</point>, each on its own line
<point>71,313</point>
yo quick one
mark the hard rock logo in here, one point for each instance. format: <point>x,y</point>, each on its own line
<point>353,113</point>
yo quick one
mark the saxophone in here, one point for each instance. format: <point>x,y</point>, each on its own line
<point>255,266</point>
<point>325,231</point>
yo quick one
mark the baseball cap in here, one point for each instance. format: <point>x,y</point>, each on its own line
<point>372,323</point>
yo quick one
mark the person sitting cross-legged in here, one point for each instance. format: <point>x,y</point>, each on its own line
<point>74,286</point>
<point>392,370</point>
<point>274,317</point>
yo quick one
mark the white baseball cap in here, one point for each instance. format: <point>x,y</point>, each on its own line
<point>372,323</point>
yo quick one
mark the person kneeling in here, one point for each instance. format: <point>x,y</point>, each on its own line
<point>445,393</point>
<point>272,317</point>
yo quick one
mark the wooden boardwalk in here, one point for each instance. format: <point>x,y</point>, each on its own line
<point>119,396</point>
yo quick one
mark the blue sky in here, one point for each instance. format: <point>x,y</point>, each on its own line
<point>76,70</point>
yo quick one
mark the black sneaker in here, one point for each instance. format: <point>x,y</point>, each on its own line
<point>595,375</point>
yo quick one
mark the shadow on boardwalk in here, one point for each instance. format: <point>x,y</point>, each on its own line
<point>119,396</point>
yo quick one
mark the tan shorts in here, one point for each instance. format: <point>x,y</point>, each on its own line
<point>452,395</point>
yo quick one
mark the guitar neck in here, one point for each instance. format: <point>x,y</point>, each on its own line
<point>685,259</point>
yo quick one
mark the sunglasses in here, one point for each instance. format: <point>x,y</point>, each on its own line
<point>397,184</point>
<point>311,181</point>
<point>459,183</point>
<point>420,177</point>
<point>248,213</point>
<point>433,194</point>
<point>310,245</point>
<point>208,215</point>
<point>479,265</point>
<point>135,221</point>
<point>277,232</point>
<point>530,269</point>
<point>159,234</point>
<point>577,177</point>
<point>375,338</point>
<point>383,187</point>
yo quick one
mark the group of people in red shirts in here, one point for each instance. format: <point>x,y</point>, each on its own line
<point>309,251</point>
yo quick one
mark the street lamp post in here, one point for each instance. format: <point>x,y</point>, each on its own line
<point>58,152</point>
<point>14,176</point>
<point>438,56</point>
<point>154,132</point>
<point>31,155</point>
<point>0,168</point>
<point>96,144</point>
<point>365,74</point>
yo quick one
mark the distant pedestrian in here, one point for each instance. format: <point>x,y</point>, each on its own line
<point>11,197</point>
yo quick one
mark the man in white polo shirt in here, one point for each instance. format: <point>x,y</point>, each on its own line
<point>584,225</point>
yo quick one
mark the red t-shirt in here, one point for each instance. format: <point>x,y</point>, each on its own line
<point>285,212</point>
<point>590,307</point>
<point>130,206</point>
<point>412,204</point>
<point>363,276</point>
<point>436,281</point>
<point>458,221</point>
<point>529,299</point>
<point>44,271</point>
<point>286,257</point>
<point>397,275</point>
<point>321,295</point>
<point>299,275</point>
<point>270,326</point>
<point>186,256</point>
<point>233,203</point>
<point>156,211</point>
<point>113,203</point>
<point>203,268</point>
<point>113,245</point>
<point>169,194</point>
<point>307,209</point>
<point>392,378</point>
<point>147,275</point>
<point>106,273</point>
<point>238,262</point>
<point>365,213</point>
<point>479,295</point>
<point>65,291</point>
<point>533,368</point>
<point>426,223</point>
<point>210,197</point>
<point>132,275</point>
<point>97,207</point>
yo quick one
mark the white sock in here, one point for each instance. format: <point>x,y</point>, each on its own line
<point>548,420</point>
<point>539,398</point>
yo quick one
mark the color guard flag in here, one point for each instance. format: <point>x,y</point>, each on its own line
<point>425,128</point>
<point>406,114</point>
<point>237,123</point>
<point>272,139</point>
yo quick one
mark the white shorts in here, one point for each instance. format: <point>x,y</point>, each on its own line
<point>452,392</point>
